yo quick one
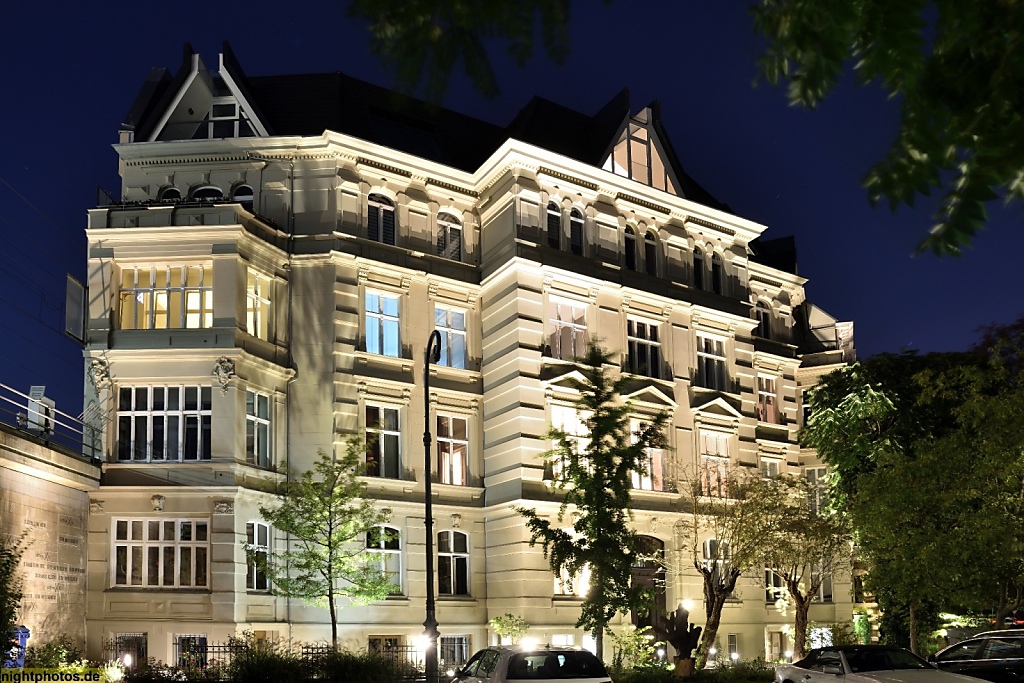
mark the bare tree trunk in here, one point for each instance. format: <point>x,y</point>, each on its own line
<point>714,599</point>
<point>599,642</point>
<point>803,605</point>
<point>334,620</point>
<point>914,627</point>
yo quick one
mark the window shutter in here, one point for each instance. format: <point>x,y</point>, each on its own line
<point>554,227</point>
<point>442,241</point>
<point>373,222</point>
<point>576,235</point>
<point>454,243</point>
<point>389,226</point>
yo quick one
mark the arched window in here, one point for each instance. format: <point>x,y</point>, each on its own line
<point>207,193</point>
<point>576,232</point>
<point>384,544</point>
<point>764,320</point>
<point>452,563</point>
<point>243,195</point>
<point>717,274</point>
<point>380,219</point>
<point>554,226</point>
<point>170,194</point>
<point>630,248</point>
<point>651,253</point>
<point>449,237</point>
<point>698,268</point>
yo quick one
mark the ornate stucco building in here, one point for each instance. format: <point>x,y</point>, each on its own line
<point>266,288</point>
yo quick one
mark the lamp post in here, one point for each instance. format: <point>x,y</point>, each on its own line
<point>432,355</point>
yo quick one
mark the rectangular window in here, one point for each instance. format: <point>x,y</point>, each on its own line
<point>767,410</point>
<point>134,645</point>
<point>453,652</point>
<point>711,363</point>
<point>568,324</point>
<point>451,324</point>
<point>383,443</point>
<point>452,450</point>
<point>166,297</point>
<point>563,639</point>
<point>714,461</point>
<point>770,468</point>
<point>819,488</point>
<point>161,424</point>
<point>567,584</point>
<point>257,538</point>
<point>717,558</point>
<point>190,651</point>
<point>568,419</point>
<point>452,563</point>
<point>384,544</point>
<point>644,355</point>
<point>161,553</point>
<point>734,645</point>
<point>653,479</point>
<point>776,645</point>
<point>382,324</point>
<point>257,429</point>
<point>257,305</point>
<point>824,593</point>
<point>774,586</point>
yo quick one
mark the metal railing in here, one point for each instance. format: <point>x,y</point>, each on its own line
<point>38,420</point>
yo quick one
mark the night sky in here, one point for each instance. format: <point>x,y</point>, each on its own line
<point>71,74</point>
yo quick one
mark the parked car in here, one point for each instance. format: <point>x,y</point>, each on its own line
<point>996,656</point>
<point>540,665</point>
<point>863,664</point>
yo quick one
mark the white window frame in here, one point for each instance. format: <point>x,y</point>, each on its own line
<point>257,305</point>
<point>147,306</point>
<point>770,467</point>
<point>654,480</point>
<point>452,451</point>
<point>453,337</point>
<point>257,429</point>
<point>826,591</point>
<point>768,400</point>
<point>714,449</point>
<point>712,362</point>
<point>572,586</point>
<point>386,535</point>
<point>378,434</point>
<point>819,495</point>
<point>576,331</point>
<point>449,227</point>
<point>643,343</point>
<point>136,536</point>
<point>457,563</point>
<point>172,440</point>
<point>774,586</point>
<point>255,579</point>
<point>570,420</point>
<point>384,323</point>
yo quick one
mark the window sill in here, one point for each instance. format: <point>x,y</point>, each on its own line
<point>567,599</point>
<point>466,599</point>
<point>159,589</point>
<point>366,358</point>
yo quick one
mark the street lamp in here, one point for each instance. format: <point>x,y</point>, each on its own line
<point>432,355</point>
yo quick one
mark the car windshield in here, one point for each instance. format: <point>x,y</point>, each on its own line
<point>871,659</point>
<point>564,664</point>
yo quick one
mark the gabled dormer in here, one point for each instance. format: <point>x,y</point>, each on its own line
<point>198,104</point>
<point>639,153</point>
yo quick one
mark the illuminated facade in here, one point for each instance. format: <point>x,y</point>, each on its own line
<point>266,288</point>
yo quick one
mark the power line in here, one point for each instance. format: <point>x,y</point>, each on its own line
<point>34,207</point>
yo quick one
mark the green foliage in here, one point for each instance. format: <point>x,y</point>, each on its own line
<point>11,550</point>
<point>362,666</point>
<point>425,39</point>
<point>747,671</point>
<point>264,661</point>
<point>862,628</point>
<point>955,68</point>
<point>52,654</point>
<point>635,649</point>
<point>327,519</point>
<point>511,626</point>
<point>596,483</point>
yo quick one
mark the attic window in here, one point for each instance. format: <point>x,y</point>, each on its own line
<point>637,155</point>
<point>226,119</point>
<point>243,195</point>
<point>207,193</point>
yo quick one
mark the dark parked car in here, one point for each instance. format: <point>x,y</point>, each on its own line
<point>996,656</point>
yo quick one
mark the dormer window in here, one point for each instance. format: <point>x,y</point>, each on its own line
<point>380,216</point>
<point>170,194</point>
<point>638,155</point>
<point>207,193</point>
<point>243,195</point>
<point>226,119</point>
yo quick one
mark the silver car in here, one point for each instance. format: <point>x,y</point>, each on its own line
<point>864,664</point>
<point>539,665</point>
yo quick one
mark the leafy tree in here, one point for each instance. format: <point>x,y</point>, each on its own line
<point>723,537</point>
<point>511,626</point>
<point>801,546</point>
<point>327,519</point>
<point>11,550</point>
<point>955,68</point>
<point>594,475</point>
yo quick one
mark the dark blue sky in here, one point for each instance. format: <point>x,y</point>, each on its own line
<point>71,74</point>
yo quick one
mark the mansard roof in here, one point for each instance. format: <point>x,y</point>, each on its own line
<point>309,104</point>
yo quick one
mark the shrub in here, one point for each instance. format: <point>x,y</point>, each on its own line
<point>750,671</point>
<point>362,667</point>
<point>53,654</point>
<point>264,662</point>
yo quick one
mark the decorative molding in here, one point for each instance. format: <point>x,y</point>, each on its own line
<point>568,178</point>
<point>454,188</point>
<point>96,506</point>
<point>654,524</point>
<point>456,520</point>
<point>224,507</point>
<point>765,281</point>
<point>382,166</point>
<point>642,202</point>
<point>99,374</point>
<point>157,502</point>
<point>711,226</point>
<point>223,371</point>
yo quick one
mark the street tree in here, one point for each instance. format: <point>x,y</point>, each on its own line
<point>11,550</point>
<point>954,69</point>
<point>594,474</point>
<point>328,522</point>
<point>803,546</point>
<point>721,536</point>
